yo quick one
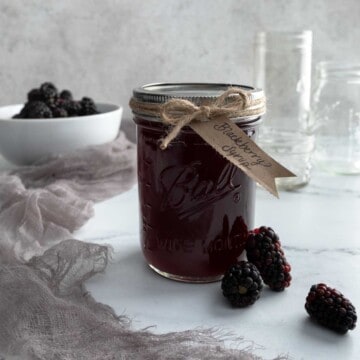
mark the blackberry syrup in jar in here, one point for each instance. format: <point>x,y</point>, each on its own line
<point>195,207</point>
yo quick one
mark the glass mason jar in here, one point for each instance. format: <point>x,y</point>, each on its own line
<point>336,116</point>
<point>195,207</point>
<point>283,69</point>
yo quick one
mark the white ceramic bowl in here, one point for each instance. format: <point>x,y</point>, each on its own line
<point>24,141</point>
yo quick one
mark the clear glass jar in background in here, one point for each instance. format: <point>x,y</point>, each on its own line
<point>283,69</point>
<point>336,116</point>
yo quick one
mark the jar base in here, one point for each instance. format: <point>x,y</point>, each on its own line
<point>292,184</point>
<point>338,167</point>
<point>187,279</point>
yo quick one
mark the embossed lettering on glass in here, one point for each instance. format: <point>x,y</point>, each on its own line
<point>195,206</point>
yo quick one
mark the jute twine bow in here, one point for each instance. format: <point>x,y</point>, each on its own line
<point>233,103</point>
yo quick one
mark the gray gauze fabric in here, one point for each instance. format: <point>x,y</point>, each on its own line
<point>45,311</point>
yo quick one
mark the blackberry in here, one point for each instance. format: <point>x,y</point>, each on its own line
<point>46,102</point>
<point>242,284</point>
<point>23,112</point>
<point>37,110</point>
<point>59,112</point>
<point>330,308</point>
<point>49,93</point>
<point>88,106</point>
<point>66,95</point>
<point>264,250</point>
<point>73,108</point>
<point>34,95</point>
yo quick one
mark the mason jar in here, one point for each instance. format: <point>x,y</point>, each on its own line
<point>336,116</point>
<point>283,69</point>
<point>195,207</point>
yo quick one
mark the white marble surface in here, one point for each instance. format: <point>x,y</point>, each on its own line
<point>319,227</point>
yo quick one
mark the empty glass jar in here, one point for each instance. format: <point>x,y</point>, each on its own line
<point>336,116</point>
<point>283,70</point>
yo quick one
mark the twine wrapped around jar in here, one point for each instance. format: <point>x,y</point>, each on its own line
<point>212,120</point>
<point>233,103</point>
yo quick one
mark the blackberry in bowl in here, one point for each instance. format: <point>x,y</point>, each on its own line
<point>52,123</point>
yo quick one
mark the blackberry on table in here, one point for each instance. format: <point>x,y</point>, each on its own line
<point>242,284</point>
<point>264,250</point>
<point>88,106</point>
<point>330,308</point>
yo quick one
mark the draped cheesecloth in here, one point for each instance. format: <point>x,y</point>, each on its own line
<point>45,311</point>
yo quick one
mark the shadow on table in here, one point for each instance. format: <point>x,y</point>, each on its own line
<point>313,330</point>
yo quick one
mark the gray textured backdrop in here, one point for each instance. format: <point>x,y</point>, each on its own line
<point>105,48</point>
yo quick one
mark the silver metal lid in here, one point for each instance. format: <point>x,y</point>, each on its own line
<point>198,93</point>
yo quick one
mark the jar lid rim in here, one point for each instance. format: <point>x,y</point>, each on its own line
<point>285,34</point>
<point>195,92</point>
<point>338,69</point>
<point>297,39</point>
<point>333,64</point>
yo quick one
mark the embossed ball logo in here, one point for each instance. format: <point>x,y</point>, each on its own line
<point>188,193</point>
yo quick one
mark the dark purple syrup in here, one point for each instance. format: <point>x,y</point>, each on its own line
<point>195,207</point>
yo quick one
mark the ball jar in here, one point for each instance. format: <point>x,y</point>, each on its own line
<point>195,207</point>
<point>336,117</point>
